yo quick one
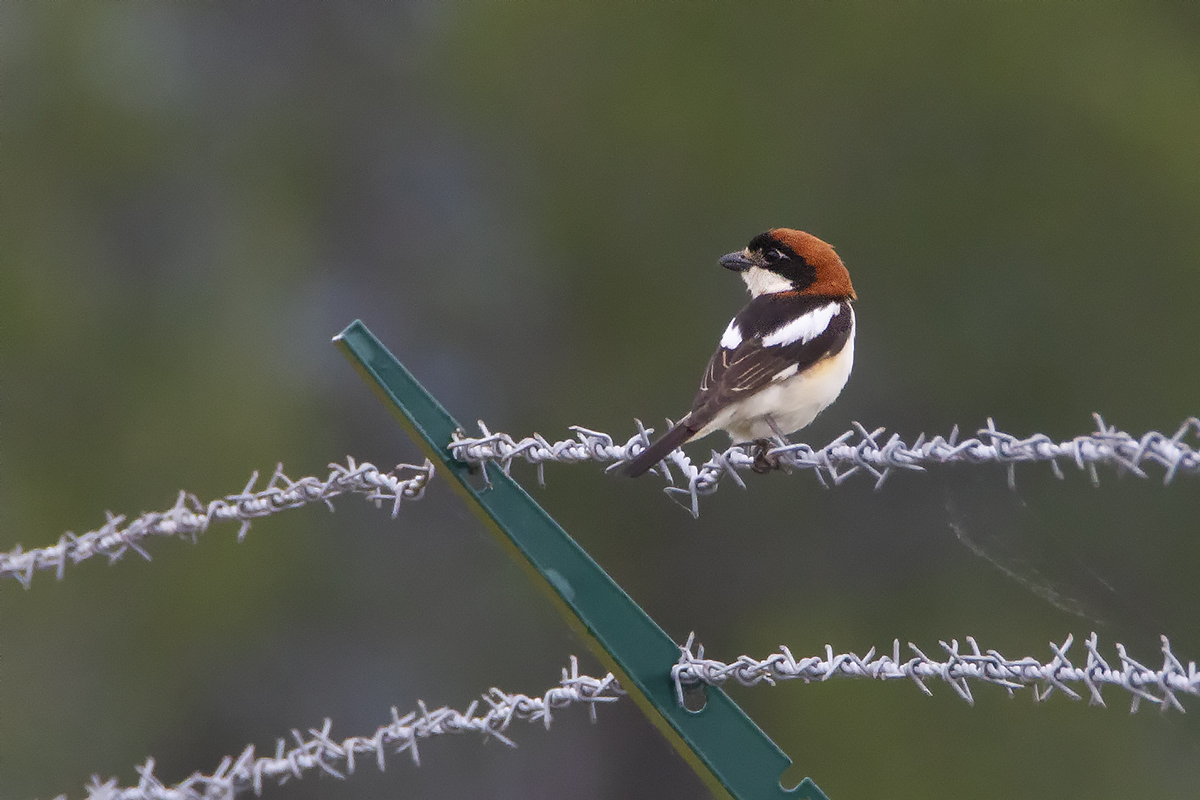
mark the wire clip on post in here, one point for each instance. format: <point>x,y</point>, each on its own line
<point>729,752</point>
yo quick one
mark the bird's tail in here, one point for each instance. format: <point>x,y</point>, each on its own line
<point>680,433</point>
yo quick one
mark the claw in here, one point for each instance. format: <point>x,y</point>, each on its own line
<point>764,462</point>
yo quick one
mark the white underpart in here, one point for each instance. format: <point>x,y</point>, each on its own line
<point>792,402</point>
<point>804,328</point>
<point>732,336</point>
<point>763,281</point>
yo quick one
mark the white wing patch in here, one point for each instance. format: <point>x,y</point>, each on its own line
<point>786,373</point>
<point>732,336</point>
<point>802,329</point>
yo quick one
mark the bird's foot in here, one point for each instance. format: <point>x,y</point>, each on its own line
<point>764,462</point>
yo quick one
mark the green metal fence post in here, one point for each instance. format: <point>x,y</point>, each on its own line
<point>733,756</point>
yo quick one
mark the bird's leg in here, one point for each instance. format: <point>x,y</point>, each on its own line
<point>783,440</point>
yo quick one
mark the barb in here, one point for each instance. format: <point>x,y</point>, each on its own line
<point>1159,686</point>
<point>189,517</point>
<point>319,751</point>
<point>857,451</point>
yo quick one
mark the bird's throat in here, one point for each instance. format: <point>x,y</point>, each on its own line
<point>762,281</point>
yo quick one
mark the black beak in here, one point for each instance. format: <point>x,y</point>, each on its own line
<point>737,261</point>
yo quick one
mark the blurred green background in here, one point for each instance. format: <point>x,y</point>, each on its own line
<point>526,203</point>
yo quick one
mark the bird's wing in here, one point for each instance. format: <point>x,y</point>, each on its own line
<point>771,352</point>
<point>770,339</point>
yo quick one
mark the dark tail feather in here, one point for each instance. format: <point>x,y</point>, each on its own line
<point>653,454</point>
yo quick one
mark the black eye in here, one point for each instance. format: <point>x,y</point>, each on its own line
<point>773,255</point>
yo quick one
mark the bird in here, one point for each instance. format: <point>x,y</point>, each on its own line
<point>782,359</point>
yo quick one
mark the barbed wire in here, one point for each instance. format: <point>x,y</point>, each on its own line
<point>846,456</point>
<point>319,751</point>
<point>189,517</point>
<point>957,670</point>
<point>836,462</point>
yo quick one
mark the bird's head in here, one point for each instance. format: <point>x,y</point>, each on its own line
<point>786,260</point>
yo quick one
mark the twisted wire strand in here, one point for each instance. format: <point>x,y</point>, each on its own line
<point>318,751</point>
<point>1159,686</point>
<point>857,451</point>
<point>836,462</point>
<point>189,517</point>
